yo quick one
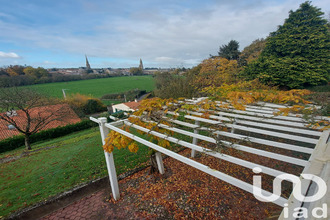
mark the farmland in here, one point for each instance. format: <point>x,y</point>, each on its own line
<point>96,87</point>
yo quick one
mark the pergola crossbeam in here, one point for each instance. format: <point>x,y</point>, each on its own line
<point>260,123</point>
<point>240,147</point>
<point>222,176</point>
<point>247,138</point>
<point>207,151</point>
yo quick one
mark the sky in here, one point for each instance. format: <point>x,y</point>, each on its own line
<point>118,33</point>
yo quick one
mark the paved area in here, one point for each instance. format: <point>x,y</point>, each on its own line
<point>94,206</point>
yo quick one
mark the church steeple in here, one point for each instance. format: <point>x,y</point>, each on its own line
<point>141,65</point>
<point>88,67</point>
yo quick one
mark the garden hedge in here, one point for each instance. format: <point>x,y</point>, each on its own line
<point>18,141</point>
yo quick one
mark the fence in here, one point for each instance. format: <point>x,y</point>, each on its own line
<point>256,125</point>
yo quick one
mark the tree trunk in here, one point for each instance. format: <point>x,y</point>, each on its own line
<point>153,164</point>
<point>27,142</point>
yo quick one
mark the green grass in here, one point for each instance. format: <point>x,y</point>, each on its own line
<point>96,87</point>
<point>76,159</point>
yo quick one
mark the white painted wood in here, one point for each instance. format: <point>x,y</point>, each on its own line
<point>274,108</point>
<point>266,142</point>
<point>181,123</point>
<point>222,176</point>
<point>281,128</point>
<point>233,129</point>
<point>258,111</point>
<point>253,140</point>
<point>287,159</point>
<point>274,134</point>
<point>263,108</point>
<point>193,152</point>
<point>222,156</point>
<point>253,113</point>
<point>317,165</point>
<point>271,105</point>
<point>250,106</point>
<point>266,120</point>
<point>276,127</point>
<point>113,118</point>
<point>160,164</point>
<point>255,130</point>
<point>269,114</point>
<point>264,124</point>
<point>109,160</point>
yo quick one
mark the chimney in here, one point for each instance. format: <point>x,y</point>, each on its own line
<point>135,100</point>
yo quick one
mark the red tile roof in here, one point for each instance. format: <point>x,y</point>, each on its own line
<point>70,118</point>
<point>132,105</point>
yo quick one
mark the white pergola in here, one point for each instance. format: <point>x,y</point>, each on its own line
<point>257,119</point>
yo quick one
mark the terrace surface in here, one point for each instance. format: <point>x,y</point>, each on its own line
<point>182,192</point>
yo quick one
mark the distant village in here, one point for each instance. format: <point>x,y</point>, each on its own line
<point>109,71</point>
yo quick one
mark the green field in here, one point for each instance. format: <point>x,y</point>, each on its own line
<point>96,87</point>
<point>70,160</point>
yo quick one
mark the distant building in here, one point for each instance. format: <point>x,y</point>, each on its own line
<point>88,67</point>
<point>7,130</point>
<point>126,106</point>
<point>141,65</point>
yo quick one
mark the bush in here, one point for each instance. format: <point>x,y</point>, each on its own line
<point>130,95</point>
<point>84,105</point>
<point>173,86</point>
<point>94,106</point>
<point>18,141</point>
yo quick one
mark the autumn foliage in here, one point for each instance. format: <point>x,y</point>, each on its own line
<point>216,72</point>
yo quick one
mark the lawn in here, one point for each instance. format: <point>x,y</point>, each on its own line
<point>96,87</point>
<point>74,159</point>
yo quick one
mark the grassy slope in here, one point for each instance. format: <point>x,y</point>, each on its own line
<point>78,158</point>
<point>96,87</point>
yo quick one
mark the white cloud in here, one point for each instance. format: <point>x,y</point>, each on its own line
<point>48,62</point>
<point>164,59</point>
<point>8,55</point>
<point>156,33</point>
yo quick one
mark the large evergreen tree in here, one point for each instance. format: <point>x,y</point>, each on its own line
<point>297,54</point>
<point>230,51</point>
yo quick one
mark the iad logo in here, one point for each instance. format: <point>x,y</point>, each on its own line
<point>277,189</point>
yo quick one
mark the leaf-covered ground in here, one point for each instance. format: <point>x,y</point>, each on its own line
<point>182,192</point>
<point>185,192</point>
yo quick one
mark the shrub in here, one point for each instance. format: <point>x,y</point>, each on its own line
<point>84,105</point>
<point>18,141</point>
<point>173,86</point>
<point>130,95</point>
<point>93,106</point>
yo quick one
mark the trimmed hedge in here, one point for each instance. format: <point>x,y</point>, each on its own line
<point>130,95</point>
<point>18,141</point>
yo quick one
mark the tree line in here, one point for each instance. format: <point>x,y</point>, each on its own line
<point>17,75</point>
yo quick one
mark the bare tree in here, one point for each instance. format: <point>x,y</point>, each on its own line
<point>29,111</point>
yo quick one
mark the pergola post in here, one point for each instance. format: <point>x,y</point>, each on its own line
<point>160,164</point>
<point>193,152</point>
<point>109,160</point>
<point>233,128</point>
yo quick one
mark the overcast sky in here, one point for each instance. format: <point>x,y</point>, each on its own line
<point>117,33</point>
